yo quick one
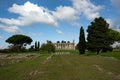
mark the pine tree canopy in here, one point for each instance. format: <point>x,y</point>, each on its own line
<point>98,35</point>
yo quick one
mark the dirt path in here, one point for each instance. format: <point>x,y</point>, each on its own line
<point>48,59</point>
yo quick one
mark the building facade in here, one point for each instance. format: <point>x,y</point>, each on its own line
<point>65,46</point>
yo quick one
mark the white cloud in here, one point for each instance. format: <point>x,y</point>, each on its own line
<point>11,21</point>
<point>116,3</point>
<point>0,37</point>
<point>30,13</point>
<point>115,44</point>
<point>65,13</point>
<point>88,9</point>
<point>35,34</point>
<point>118,29</point>
<point>11,29</point>
<point>111,23</point>
<point>76,24</point>
<point>59,31</point>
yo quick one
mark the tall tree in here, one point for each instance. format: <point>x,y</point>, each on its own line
<point>82,42</point>
<point>58,41</point>
<point>38,45</point>
<point>19,40</point>
<point>98,35</point>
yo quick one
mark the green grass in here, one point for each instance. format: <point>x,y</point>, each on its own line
<point>111,54</point>
<point>20,71</point>
<point>64,67</point>
<point>70,51</point>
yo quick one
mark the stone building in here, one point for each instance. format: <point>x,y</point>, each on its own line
<point>64,45</point>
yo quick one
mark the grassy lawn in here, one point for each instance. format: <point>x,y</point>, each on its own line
<point>70,51</point>
<point>112,54</point>
<point>64,67</point>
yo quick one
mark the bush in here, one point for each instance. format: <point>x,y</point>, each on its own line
<point>31,48</point>
<point>107,49</point>
<point>4,51</point>
<point>49,47</point>
<point>14,49</point>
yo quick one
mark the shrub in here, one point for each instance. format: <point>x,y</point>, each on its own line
<point>14,49</point>
<point>49,47</point>
<point>4,50</point>
<point>31,48</point>
<point>107,49</point>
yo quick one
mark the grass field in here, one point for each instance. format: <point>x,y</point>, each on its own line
<point>64,67</point>
<point>112,54</point>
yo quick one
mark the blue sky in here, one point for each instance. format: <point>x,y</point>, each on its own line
<point>54,20</point>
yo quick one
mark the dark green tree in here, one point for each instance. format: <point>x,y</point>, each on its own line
<point>58,41</point>
<point>68,41</point>
<point>49,47</point>
<point>38,45</point>
<point>114,36</point>
<point>48,41</point>
<point>98,35</point>
<point>82,43</point>
<point>43,47</point>
<point>19,41</point>
<point>32,48</point>
<point>63,41</point>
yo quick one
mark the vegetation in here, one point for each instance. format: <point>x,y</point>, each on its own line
<point>113,36</point>
<point>63,41</point>
<point>82,43</point>
<point>117,48</point>
<point>63,67</point>
<point>49,47</point>
<point>98,38</point>
<point>49,41</point>
<point>68,65</point>
<point>58,41</point>
<point>18,42</point>
<point>111,54</point>
<point>37,46</point>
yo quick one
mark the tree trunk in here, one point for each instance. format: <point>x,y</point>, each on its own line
<point>98,51</point>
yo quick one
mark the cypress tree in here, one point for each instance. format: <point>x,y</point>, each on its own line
<point>35,45</point>
<point>38,47</point>
<point>82,42</point>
